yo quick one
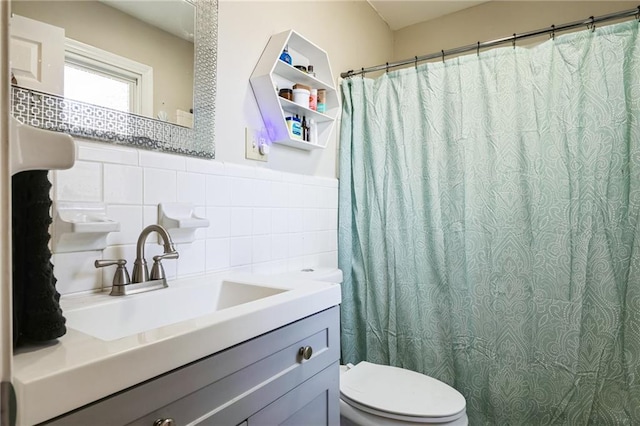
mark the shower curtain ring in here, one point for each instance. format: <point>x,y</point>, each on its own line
<point>387,67</point>
<point>478,49</point>
<point>592,25</point>
<point>638,14</point>
<point>416,58</point>
<point>362,72</point>
<point>514,40</point>
<point>442,55</point>
<point>553,32</point>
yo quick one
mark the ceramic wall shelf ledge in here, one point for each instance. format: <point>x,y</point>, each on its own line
<point>180,220</point>
<point>37,149</point>
<point>81,227</point>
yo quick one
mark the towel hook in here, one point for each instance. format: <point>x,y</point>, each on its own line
<point>553,32</point>
<point>442,55</point>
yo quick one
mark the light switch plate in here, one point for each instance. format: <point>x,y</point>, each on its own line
<point>253,138</point>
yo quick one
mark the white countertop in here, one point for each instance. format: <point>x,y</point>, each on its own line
<point>79,369</point>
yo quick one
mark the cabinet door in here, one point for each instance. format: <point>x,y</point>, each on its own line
<point>37,55</point>
<point>313,403</point>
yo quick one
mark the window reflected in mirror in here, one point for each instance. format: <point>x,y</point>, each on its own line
<point>99,88</point>
<point>105,79</point>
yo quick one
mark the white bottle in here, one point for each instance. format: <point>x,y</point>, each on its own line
<point>313,132</point>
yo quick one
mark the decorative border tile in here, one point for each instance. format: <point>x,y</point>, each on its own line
<point>89,121</point>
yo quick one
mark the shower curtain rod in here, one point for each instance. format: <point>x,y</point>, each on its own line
<point>553,29</point>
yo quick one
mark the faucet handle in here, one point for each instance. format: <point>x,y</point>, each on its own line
<point>170,255</point>
<point>157,271</point>
<point>121,276</point>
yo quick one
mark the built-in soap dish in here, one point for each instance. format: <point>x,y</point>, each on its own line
<point>180,220</point>
<point>81,227</point>
<point>38,149</point>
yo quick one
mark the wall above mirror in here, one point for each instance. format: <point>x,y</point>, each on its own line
<point>183,74</point>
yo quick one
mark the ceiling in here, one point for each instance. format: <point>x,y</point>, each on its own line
<point>175,17</point>
<point>402,13</point>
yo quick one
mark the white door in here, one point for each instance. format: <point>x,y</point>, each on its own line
<point>37,55</point>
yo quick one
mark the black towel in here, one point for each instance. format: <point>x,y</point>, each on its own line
<point>37,316</point>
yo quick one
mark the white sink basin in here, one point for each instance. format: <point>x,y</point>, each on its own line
<point>122,316</point>
<point>113,343</point>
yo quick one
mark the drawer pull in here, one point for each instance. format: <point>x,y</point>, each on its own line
<point>164,422</point>
<point>305,352</point>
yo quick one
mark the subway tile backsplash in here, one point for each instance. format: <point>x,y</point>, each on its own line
<point>261,221</point>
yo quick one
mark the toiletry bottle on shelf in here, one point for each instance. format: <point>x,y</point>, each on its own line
<point>297,126</point>
<point>310,71</point>
<point>301,94</point>
<point>321,106</point>
<point>313,131</point>
<point>313,100</point>
<point>284,56</point>
<point>295,129</point>
<point>305,129</point>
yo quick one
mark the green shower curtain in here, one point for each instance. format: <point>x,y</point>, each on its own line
<point>489,230</point>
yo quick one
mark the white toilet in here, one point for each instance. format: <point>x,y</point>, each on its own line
<point>373,394</point>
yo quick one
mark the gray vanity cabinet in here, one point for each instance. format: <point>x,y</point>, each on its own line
<point>264,381</point>
<point>311,403</point>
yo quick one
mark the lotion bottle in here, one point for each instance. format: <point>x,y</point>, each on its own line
<point>284,56</point>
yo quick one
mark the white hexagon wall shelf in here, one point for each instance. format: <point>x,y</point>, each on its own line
<point>272,74</point>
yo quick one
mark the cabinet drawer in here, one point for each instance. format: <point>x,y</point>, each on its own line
<point>227,387</point>
<point>313,403</point>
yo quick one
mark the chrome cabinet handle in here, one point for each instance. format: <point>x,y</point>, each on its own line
<point>164,422</point>
<point>305,352</point>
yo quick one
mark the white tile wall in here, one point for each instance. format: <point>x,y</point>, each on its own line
<point>240,250</point>
<point>130,218</point>
<point>81,183</point>
<point>241,222</point>
<point>122,184</point>
<point>219,222</point>
<point>192,188</point>
<point>159,186</point>
<point>218,190</point>
<point>75,271</point>
<point>261,221</point>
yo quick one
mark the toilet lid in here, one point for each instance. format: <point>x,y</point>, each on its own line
<point>399,393</point>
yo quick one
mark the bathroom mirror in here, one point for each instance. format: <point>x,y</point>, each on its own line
<point>181,56</point>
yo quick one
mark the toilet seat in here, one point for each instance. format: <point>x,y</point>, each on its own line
<point>400,394</point>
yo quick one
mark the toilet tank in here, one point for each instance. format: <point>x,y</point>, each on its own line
<point>327,274</point>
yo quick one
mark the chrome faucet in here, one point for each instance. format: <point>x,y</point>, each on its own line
<point>140,270</point>
<point>142,281</point>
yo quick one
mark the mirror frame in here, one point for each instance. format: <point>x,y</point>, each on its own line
<point>89,121</point>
